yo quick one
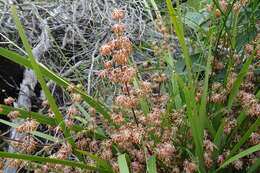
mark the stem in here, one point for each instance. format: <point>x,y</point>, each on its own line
<point>133,111</point>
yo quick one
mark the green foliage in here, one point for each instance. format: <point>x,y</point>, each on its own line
<point>205,38</point>
<point>122,163</point>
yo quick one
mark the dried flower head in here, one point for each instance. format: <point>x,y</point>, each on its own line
<point>118,119</point>
<point>14,163</point>
<point>217,13</point>
<point>208,159</point>
<point>72,110</point>
<point>145,88</point>
<point>118,14</point>
<point>229,125</point>
<point>69,122</point>
<point>29,144</point>
<point>107,154</point>
<point>165,151</point>
<point>106,50</point>
<point>13,114</point>
<point>108,64</point>
<point>238,164</point>
<point>63,153</point>
<point>137,167</point>
<point>224,5</point>
<point>221,159</point>
<point>28,126</point>
<point>76,98</point>
<point>122,75</point>
<point>255,138</point>
<point>9,100</point>
<point>189,167</point>
<point>118,29</point>
<point>126,101</point>
<point>120,57</point>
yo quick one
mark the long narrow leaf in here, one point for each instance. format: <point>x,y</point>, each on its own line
<point>240,155</point>
<point>47,160</point>
<point>36,133</point>
<point>180,35</point>
<point>123,167</point>
<point>102,109</point>
<point>239,80</point>
<point>151,165</point>
<point>38,73</point>
<point>25,114</point>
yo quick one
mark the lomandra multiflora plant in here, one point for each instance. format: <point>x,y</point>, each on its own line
<point>160,119</point>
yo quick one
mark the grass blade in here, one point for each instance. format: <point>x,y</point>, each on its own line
<point>123,167</point>
<point>100,108</point>
<point>194,120</point>
<point>151,165</point>
<point>180,35</point>
<point>240,155</point>
<point>36,133</point>
<point>47,160</point>
<point>38,73</point>
<point>25,114</point>
<point>245,137</point>
<point>254,167</point>
<point>239,80</point>
<point>103,165</point>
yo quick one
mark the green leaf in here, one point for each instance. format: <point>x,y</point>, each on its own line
<point>178,26</point>
<point>239,80</point>
<point>194,120</point>
<point>40,78</point>
<point>100,108</point>
<point>123,167</point>
<point>36,133</point>
<point>103,165</point>
<point>151,165</point>
<point>258,95</point>
<point>31,158</point>
<point>43,119</point>
<point>240,155</point>
<point>255,166</point>
<point>246,136</point>
<point>176,92</point>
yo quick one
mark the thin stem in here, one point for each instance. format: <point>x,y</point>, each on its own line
<point>133,111</point>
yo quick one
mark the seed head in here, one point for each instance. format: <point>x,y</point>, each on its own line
<point>238,164</point>
<point>118,29</point>
<point>137,167</point>
<point>165,151</point>
<point>118,14</point>
<point>207,159</point>
<point>28,126</point>
<point>217,13</point>
<point>108,64</point>
<point>9,101</point>
<point>224,5</point>
<point>189,167</point>
<point>106,50</point>
<point>120,57</point>
<point>13,114</point>
<point>76,98</point>
<point>126,101</point>
<point>72,110</point>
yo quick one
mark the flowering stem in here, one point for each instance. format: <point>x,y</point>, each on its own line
<point>136,121</point>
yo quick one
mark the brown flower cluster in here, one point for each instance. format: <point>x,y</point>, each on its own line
<point>28,146</point>
<point>249,102</point>
<point>28,126</point>
<point>128,135</point>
